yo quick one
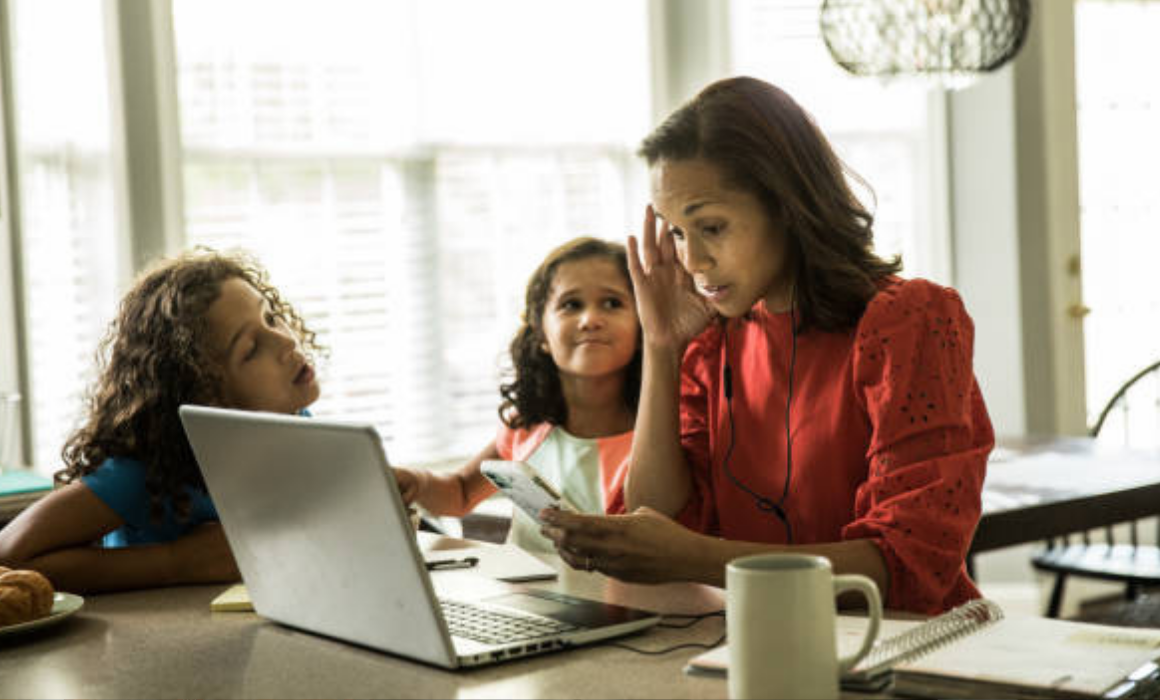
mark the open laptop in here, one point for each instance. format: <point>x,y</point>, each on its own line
<point>324,544</point>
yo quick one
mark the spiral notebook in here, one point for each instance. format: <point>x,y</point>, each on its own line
<point>974,651</point>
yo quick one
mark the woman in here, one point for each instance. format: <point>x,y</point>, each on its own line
<point>797,395</point>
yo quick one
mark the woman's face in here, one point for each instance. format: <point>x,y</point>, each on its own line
<point>262,366</point>
<point>590,325</point>
<point>724,237</point>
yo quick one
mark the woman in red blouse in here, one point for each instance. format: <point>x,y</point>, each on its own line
<point>797,395</point>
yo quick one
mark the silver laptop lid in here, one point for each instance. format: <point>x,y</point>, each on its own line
<point>318,528</point>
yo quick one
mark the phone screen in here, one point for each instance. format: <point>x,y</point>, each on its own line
<point>523,486</point>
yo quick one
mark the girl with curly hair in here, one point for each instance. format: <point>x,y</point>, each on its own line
<point>570,409</point>
<point>204,328</point>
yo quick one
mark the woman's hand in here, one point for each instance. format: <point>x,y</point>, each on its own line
<point>670,310</point>
<point>642,547</point>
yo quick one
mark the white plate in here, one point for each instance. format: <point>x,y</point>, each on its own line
<point>63,605</point>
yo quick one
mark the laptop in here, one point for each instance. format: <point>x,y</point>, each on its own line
<point>324,544</point>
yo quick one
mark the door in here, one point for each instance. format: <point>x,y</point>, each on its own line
<point>1118,112</point>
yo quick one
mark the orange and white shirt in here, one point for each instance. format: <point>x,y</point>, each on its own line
<point>588,472</point>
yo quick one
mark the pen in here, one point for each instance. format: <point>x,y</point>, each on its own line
<point>445,564</point>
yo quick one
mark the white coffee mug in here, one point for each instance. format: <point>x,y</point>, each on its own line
<point>780,617</point>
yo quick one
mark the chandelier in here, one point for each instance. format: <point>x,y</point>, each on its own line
<point>948,40</point>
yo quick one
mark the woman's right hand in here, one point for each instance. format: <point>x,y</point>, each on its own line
<point>670,310</point>
<point>640,547</point>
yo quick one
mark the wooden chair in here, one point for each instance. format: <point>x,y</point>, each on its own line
<point>1133,564</point>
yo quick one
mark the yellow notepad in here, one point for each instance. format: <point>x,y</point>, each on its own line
<point>234,599</point>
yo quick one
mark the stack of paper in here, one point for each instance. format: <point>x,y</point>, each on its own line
<point>1035,657</point>
<point>975,652</point>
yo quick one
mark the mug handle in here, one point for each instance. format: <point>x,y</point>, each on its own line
<point>858,582</point>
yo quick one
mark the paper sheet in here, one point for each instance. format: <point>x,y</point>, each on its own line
<point>1041,653</point>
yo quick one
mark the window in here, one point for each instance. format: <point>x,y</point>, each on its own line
<point>400,167</point>
<point>403,176</point>
<point>1118,103</point>
<point>65,174</point>
<point>882,131</point>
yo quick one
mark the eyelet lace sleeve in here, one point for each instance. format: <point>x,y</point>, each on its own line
<point>696,418</point>
<point>929,442</point>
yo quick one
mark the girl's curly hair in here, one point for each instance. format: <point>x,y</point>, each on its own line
<point>153,358</point>
<point>535,395</point>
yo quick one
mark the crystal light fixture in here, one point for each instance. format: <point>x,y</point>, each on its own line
<point>951,41</point>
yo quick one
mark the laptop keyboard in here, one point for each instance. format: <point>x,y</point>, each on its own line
<point>489,626</point>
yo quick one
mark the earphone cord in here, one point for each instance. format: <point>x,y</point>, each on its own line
<point>761,500</point>
<point>764,503</point>
<point>788,406</point>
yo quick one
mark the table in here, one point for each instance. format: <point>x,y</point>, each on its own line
<point>165,643</point>
<point>1040,487</point>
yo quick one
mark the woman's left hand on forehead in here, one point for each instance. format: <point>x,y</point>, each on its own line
<point>643,546</point>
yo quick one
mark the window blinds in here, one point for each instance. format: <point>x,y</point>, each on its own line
<point>403,177</point>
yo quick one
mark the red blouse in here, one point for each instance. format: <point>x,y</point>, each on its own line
<point>890,436</point>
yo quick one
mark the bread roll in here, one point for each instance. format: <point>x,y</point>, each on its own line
<point>38,588</point>
<point>15,605</point>
<point>4,569</point>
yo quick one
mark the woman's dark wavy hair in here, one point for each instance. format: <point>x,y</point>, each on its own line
<point>535,395</point>
<point>153,358</point>
<point>767,144</point>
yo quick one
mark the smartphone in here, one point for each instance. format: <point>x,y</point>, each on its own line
<point>526,488</point>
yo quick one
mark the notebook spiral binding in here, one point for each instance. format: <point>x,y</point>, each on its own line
<point>931,635</point>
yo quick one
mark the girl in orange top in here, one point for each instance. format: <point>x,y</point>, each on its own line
<point>570,407</point>
<point>797,395</point>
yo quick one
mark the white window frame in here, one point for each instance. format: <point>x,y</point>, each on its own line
<point>1015,208</point>
<point>146,140</point>
<point>13,351</point>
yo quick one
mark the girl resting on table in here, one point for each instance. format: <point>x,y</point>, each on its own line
<point>202,328</point>
<point>570,409</point>
<point>797,394</point>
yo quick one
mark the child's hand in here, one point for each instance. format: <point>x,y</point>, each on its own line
<point>204,556</point>
<point>411,483</point>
